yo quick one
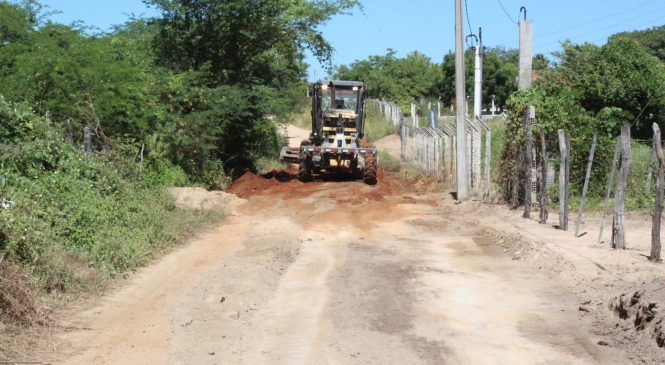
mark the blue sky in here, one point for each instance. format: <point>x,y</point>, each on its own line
<point>428,25</point>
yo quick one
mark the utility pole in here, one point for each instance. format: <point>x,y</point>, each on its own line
<point>526,35</point>
<point>460,98</point>
<point>478,77</point>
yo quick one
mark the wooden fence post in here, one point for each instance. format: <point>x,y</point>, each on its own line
<point>515,188</point>
<point>543,177</point>
<point>578,224</point>
<point>618,224</point>
<point>658,206</point>
<point>650,169</point>
<point>530,115</point>
<point>610,181</point>
<point>488,158</point>
<point>563,181</point>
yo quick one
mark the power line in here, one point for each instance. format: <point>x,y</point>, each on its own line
<point>594,20</point>
<point>506,11</point>
<point>468,21</point>
<point>608,27</point>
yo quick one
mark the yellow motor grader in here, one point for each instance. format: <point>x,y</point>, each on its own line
<point>336,144</point>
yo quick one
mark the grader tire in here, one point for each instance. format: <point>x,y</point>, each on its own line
<point>370,170</point>
<point>305,168</point>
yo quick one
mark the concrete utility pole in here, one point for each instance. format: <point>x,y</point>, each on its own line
<point>478,77</point>
<point>460,98</point>
<point>526,35</point>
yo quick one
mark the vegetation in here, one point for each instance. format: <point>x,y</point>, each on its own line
<point>376,125</point>
<point>392,78</point>
<point>653,39</point>
<point>417,77</point>
<point>76,219</point>
<point>191,96</point>
<point>592,90</point>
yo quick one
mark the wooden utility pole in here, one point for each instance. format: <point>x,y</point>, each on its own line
<point>578,224</point>
<point>658,206</point>
<point>618,224</point>
<point>460,96</point>
<point>563,182</point>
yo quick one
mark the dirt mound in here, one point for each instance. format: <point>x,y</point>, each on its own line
<point>250,184</point>
<point>202,199</point>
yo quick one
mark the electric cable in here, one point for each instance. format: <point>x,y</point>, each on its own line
<point>506,11</point>
<point>468,20</point>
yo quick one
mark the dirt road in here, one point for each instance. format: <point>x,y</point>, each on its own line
<point>335,273</point>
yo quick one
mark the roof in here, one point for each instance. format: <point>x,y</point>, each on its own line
<point>342,83</point>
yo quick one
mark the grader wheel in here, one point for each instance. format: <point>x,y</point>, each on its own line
<point>370,170</point>
<point>305,163</point>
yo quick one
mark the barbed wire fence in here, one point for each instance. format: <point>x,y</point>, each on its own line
<point>535,170</point>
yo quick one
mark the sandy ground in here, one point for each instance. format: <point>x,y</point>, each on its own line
<point>345,273</point>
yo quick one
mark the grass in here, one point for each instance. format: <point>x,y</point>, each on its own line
<point>376,125</point>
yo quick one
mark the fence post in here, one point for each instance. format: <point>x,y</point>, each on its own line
<point>618,226</point>
<point>488,155</point>
<point>514,195</point>
<point>543,177</point>
<point>610,180</point>
<point>402,139</point>
<point>529,116</point>
<point>578,224</point>
<point>563,181</point>
<point>476,157</point>
<point>658,206</point>
<point>650,169</point>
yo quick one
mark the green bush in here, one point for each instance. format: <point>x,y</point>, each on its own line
<point>76,219</point>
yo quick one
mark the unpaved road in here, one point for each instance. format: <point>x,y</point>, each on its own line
<point>335,273</point>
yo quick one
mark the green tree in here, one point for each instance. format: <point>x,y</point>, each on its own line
<point>392,78</point>
<point>652,39</point>
<point>244,41</point>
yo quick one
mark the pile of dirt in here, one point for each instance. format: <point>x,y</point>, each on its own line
<point>19,303</point>
<point>250,184</point>
<point>202,199</point>
<point>642,312</point>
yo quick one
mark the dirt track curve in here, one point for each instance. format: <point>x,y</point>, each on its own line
<point>334,273</point>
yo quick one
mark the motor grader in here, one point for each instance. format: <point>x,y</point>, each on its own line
<point>336,144</point>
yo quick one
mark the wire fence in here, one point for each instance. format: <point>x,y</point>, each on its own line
<point>535,169</point>
<point>433,149</point>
